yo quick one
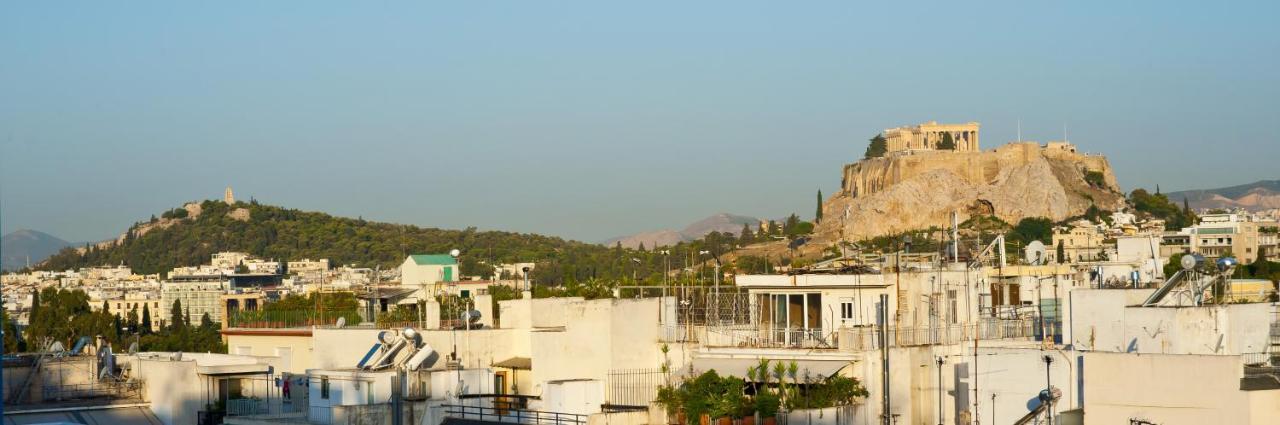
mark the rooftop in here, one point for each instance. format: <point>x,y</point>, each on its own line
<point>434,259</point>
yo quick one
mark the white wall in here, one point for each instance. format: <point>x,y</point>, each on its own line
<point>1172,389</point>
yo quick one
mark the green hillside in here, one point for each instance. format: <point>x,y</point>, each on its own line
<point>287,234</point>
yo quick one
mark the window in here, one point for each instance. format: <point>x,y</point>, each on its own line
<point>846,309</point>
<point>952,316</point>
<point>324,388</point>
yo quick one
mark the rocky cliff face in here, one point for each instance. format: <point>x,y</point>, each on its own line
<point>884,195</point>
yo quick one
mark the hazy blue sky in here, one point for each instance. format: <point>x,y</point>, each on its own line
<point>595,119</point>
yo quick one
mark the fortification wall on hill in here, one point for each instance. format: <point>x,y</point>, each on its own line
<point>873,175</point>
<point>914,190</point>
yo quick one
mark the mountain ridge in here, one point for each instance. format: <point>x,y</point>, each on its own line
<point>720,222</point>
<point>22,245</point>
<point>1259,195</point>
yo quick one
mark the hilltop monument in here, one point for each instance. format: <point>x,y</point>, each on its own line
<point>931,170</point>
<point>229,197</point>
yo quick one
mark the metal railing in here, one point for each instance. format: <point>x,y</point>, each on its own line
<point>514,416</point>
<point>678,333</point>
<point>868,338</point>
<point>633,387</point>
<point>1261,359</point>
<point>246,406</point>
<point>288,318</point>
<point>753,336</point>
<point>118,390</point>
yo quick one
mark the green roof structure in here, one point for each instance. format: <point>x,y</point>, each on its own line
<point>433,259</point>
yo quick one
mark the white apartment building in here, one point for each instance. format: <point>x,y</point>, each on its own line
<point>197,298</point>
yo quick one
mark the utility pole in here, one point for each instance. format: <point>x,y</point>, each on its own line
<point>993,408</point>
<point>1048,387</point>
<point>940,421</point>
<point>887,415</point>
<point>977,332</point>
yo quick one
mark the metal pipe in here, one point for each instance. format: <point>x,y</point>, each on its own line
<point>884,357</point>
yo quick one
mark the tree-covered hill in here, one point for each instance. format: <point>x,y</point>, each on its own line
<point>288,234</point>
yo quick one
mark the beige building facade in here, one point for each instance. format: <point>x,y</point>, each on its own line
<point>928,135</point>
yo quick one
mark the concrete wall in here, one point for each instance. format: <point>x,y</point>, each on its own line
<point>1218,329</point>
<point>586,341</point>
<point>299,349</point>
<point>1015,375</point>
<point>343,348</point>
<point>1172,389</point>
<point>1097,316</point>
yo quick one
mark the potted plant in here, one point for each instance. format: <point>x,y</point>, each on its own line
<point>766,405</point>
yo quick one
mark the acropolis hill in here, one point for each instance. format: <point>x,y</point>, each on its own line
<point>916,185</point>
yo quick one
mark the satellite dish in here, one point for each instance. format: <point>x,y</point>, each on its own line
<point>1225,263</point>
<point>411,335</point>
<point>471,316</point>
<point>1191,261</point>
<point>455,253</point>
<point>342,321</point>
<point>1034,253</point>
<point>56,347</point>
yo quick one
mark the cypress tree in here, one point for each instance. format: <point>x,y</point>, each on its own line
<point>175,315</point>
<point>146,319</point>
<point>817,216</point>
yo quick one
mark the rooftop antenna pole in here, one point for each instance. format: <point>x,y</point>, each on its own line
<point>1019,129</point>
<point>884,358</point>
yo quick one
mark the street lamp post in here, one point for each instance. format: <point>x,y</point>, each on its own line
<point>1048,387</point>
<point>940,420</point>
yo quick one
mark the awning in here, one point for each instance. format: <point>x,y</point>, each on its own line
<point>815,369</point>
<point>515,363</point>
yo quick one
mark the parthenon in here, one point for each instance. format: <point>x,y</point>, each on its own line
<point>927,136</point>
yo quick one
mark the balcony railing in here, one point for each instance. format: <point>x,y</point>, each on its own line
<point>756,337</point>
<point>288,318</point>
<point>868,338</point>
<point>514,416</point>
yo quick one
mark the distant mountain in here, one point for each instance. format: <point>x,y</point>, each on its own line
<point>723,223</point>
<point>1260,195</point>
<point>19,246</point>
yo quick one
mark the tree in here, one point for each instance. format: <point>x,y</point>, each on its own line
<point>131,320</point>
<point>176,322</point>
<point>947,143</point>
<point>817,216</point>
<point>12,344</point>
<point>106,308</point>
<point>1034,229</point>
<point>789,227</point>
<point>1062,253</point>
<point>746,236</point>
<point>146,319</point>
<point>877,148</point>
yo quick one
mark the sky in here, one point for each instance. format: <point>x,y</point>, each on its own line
<point>590,120</point>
